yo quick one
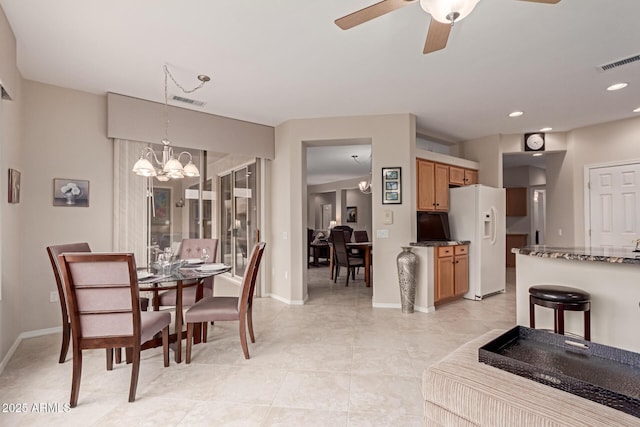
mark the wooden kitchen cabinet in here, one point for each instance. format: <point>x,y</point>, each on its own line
<point>460,176</point>
<point>516,201</point>
<point>432,186</point>
<point>461,270</point>
<point>514,241</point>
<point>470,176</point>
<point>451,273</point>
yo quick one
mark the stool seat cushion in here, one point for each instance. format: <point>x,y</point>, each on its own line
<point>556,293</point>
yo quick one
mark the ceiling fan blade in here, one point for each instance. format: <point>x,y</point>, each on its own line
<point>371,12</point>
<point>544,1</point>
<point>437,36</point>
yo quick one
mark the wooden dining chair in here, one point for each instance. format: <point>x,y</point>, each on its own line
<point>344,258</point>
<point>53,252</point>
<point>191,248</point>
<point>228,308</point>
<point>104,308</point>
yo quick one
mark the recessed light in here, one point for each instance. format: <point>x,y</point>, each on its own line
<point>637,110</point>
<point>546,129</point>
<point>537,155</point>
<point>516,114</point>
<point>617,86</point>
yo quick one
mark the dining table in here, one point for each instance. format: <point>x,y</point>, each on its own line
<point>186,276</point>
<point>367,247</point>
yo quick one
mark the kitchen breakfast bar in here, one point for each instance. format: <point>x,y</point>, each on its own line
<point>610,276</point>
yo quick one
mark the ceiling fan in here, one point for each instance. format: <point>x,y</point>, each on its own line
<point>444,13</point>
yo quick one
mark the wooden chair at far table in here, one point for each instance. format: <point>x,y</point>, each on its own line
<point>228,308</point>
<point>104,308</point>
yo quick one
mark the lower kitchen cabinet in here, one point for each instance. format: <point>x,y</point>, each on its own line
<point>451,272</point>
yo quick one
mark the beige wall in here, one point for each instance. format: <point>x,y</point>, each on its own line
<point>11,215</point>
<point>393,144</point>
<point>64,137</point>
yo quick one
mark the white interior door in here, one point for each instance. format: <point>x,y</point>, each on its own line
<point>614,205</point>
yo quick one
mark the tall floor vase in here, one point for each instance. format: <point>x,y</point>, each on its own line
<point>407,262</point>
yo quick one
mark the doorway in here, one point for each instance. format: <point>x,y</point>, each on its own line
<point>612,201</point>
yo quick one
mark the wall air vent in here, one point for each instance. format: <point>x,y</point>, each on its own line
<point>619,63</point>
<point>187,101</point>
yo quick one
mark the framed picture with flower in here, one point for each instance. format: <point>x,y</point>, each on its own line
<point>70,192</point>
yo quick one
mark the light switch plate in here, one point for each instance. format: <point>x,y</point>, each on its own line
<point>382,234</point>
<point>388,217</point>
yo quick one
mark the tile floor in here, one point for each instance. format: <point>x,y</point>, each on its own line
<point>335,361</point>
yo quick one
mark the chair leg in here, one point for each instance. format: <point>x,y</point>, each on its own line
<point>66,337</point>
<point>75,379</point>
<point>348,273</point>
<point>250,324</point>
<point>335,276</point>
<point>135,371</point>
<point>532,314</point>
<point>243,337</point>
<point>587,325</point>
<point>165,346</point>
<point>109,359</point>
<point>128,354</point>
<point>118,353</point>
<point>561,319</point>
<point>187,359</point>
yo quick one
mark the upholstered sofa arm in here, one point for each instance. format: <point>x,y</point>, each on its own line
<point>460,391</point>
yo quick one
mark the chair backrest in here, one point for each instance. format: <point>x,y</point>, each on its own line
<point>192,248</point>
<point>250,276</point>
<point>103,299</point>
<point>360,236</point>
<point>340,247</point>
<point>348,231</point>
<point>54,251</point>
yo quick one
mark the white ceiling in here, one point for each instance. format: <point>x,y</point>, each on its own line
<point>336,163</point>
<point>271,61</point>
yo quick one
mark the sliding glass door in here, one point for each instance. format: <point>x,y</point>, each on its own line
<point>239,215</point>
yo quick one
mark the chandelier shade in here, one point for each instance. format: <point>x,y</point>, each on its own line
<point>448,11</point>
<point>169,166</point>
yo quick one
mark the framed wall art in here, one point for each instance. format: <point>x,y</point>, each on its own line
<point>392,186</point>
<point>14,186</point>
<point>161,206</point>
<point>352,214</point>
<point>70,192</point>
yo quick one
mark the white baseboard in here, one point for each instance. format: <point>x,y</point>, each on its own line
<point>284,300</point>
<point>24,335</point>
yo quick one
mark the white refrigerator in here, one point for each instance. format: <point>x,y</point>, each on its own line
<point>477,214</point>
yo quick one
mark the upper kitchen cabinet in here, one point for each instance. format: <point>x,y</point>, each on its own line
<point>460,176</point>
<point>432,186</point>
<point>516,201</point>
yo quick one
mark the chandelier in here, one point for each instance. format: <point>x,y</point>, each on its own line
<point>364,186</point>
<point>168,166</point>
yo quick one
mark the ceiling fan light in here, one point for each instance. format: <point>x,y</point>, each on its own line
<point>143,167</point>
<point>443,10</point>
<point>191,170</point>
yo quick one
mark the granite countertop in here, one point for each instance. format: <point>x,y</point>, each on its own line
<point>432,243</point>
<point>611,255</point>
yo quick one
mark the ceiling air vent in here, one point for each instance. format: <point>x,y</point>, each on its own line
<point>619,63</point>
<point>187,101</point>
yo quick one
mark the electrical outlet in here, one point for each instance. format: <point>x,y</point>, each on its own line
<point>53,296</point>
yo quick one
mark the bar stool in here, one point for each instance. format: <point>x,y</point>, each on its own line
<point>560,299</point>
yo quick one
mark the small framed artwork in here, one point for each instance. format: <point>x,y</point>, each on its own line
<point>391,186</point>
<point>70,192</point>
<point>161,206</point>
<point>14,186</point>
<point>352,214</point>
